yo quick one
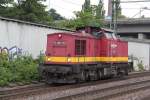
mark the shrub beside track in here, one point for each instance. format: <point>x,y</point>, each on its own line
<point>22,69</point>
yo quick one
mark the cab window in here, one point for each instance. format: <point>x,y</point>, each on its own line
<point>114,36</point>
<point>98,34</point>
<point>80,47</point>
<point>109,35</point>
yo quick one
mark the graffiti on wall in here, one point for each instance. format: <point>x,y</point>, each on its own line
<point>11,52</point>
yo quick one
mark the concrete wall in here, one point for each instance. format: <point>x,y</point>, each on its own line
<point>29,37</point>
<point>140,52</point>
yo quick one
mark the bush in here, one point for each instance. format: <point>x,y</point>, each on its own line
<point>5,76</point>
<point>41,59</point>
<point>22,69</point>
<point>140,66</point>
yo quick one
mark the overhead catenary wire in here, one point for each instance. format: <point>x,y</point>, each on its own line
<point>51,3</point>
<point>139,12</point>
<point>73,3</point>
<point>67,10</point>
<point>135,1</point>
<point>78,4</point>
<point>131,8</point>
<point>115,8</point>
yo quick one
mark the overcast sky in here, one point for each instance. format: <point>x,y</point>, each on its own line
<point>67,7</point>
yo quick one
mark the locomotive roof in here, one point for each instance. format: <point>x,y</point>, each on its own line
<point>80,34</point>
<point>107,30</point>
<point>98,28</point>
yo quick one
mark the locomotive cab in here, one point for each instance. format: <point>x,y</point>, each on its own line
<point>99,32</point>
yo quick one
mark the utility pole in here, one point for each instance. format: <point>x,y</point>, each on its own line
<point>113,11</point>
<point>114,15</point>
<point>115,7</point>
<point>49,4</point>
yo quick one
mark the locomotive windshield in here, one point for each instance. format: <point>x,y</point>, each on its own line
<point>97,34</point>
<point>114,36</point>
<point>110,35</point>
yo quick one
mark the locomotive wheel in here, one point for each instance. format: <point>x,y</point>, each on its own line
<point>99,74</point>
<point>94,76</point>
<point>83,76</point>
<point>126,72</point>
<point>120,74</point>
<point>44,75</point>
<point>48,78</point>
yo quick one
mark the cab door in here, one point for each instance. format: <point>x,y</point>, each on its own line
<point>111,44</point>
<point>80,50</point>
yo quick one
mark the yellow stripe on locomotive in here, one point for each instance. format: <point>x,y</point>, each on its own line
<point>86,59</point>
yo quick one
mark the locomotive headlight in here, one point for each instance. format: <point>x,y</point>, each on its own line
<point>48,59</point>
<point>69,59</point>
<point>59,35</point>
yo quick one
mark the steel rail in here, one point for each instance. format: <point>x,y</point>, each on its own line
<point>52,89</point>
<point>110,92</point>
<point>137,1</point>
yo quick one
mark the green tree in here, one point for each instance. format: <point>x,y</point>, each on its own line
<point>100,12</point>
<point>66,23</point>
<point>4,9</point>
<point>27,10</point>
<point>90,15</point>
<point>3,3</point>
<point>86,19</point>
<point>119,10</point>
<point>52,12</point>
<point>86,6</point>
<point>32,10</point>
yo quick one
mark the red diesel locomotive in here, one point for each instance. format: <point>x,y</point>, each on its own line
<point>88,54</point>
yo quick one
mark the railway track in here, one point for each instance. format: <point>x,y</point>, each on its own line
<point>18,89</point>
<point>128,90</point>
<point>111,93</point>
<point>45,92</point>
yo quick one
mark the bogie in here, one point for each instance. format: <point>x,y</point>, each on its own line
<point>85,74</point>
